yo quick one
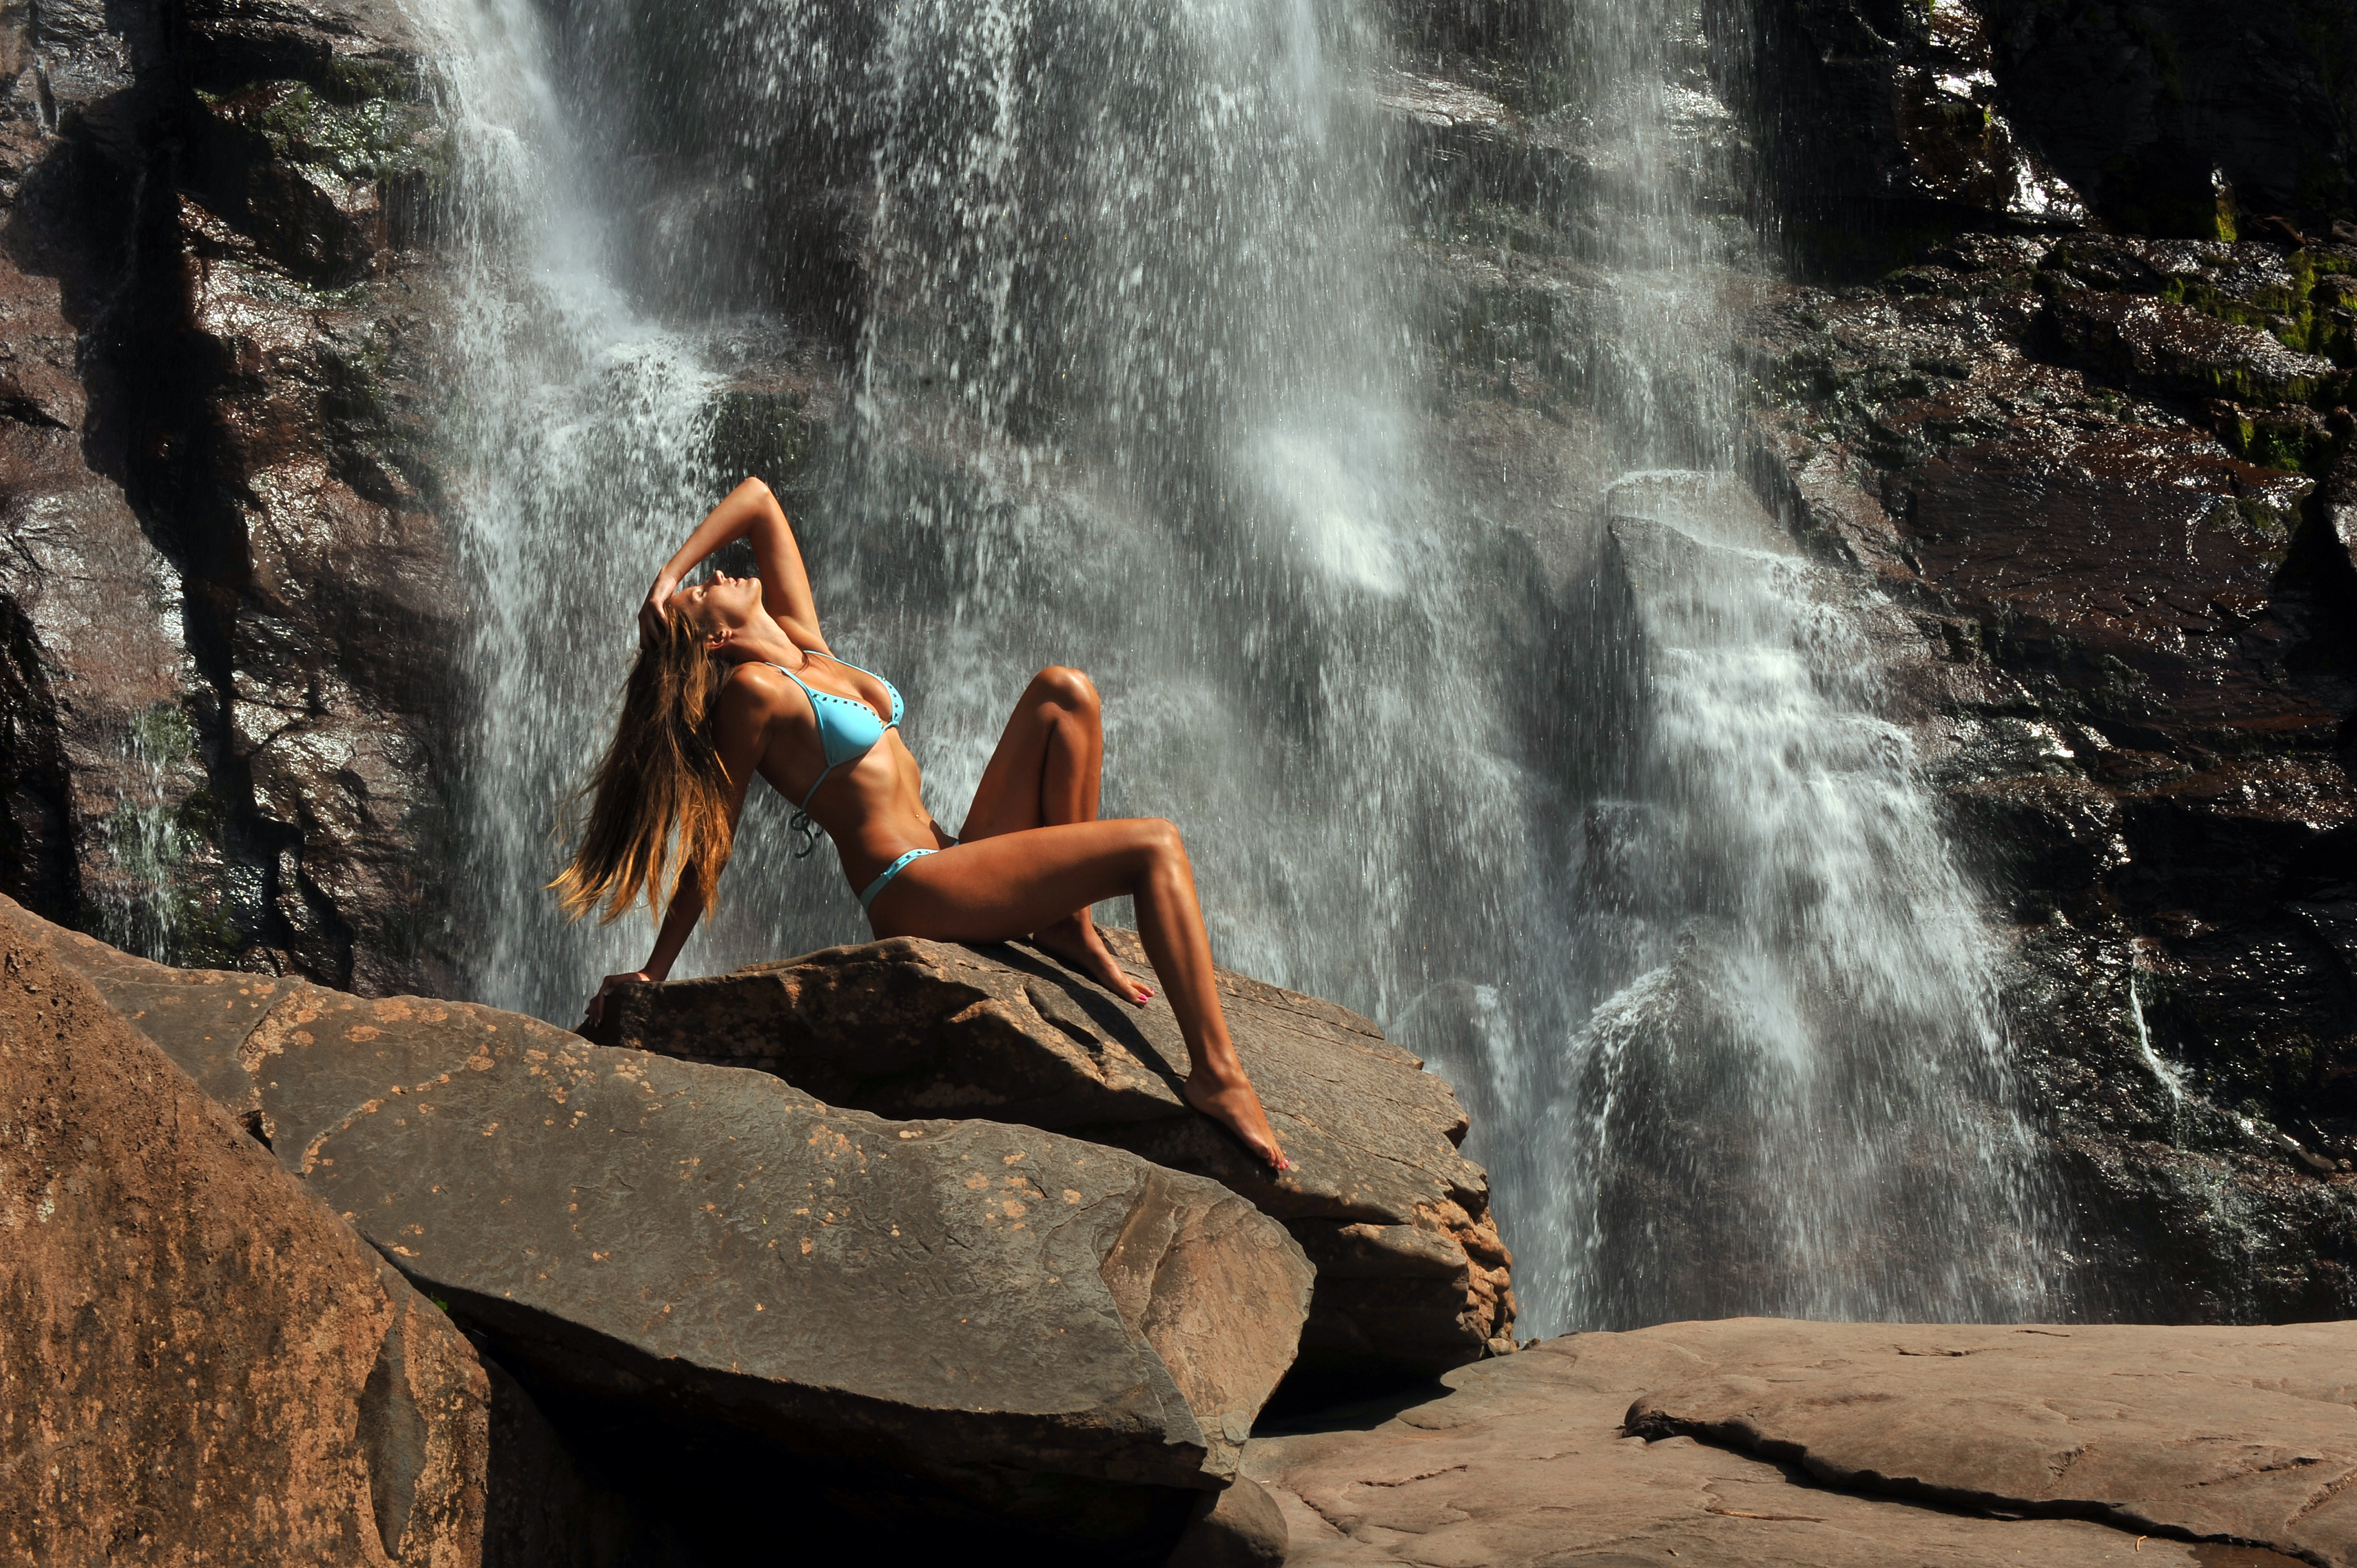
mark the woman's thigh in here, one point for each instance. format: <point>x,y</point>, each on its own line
<point>1008,799</point>
<point>991,889</point>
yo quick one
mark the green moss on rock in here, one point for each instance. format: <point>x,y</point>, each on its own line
<point>381,137</point>
<point>765,434</point>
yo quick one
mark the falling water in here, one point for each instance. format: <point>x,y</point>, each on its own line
<point>2169,1078</point>
<point>1801,1105</point>
<point>137,896</point>
<point>571,448</point>
<point>1108,317</point>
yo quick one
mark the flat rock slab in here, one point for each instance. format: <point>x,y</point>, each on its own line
<point>198,1361</point>
<point>1412,1275</point>
<point>1527,1463</point>
<point>1043,1331</point>
<point>2245,1434</point>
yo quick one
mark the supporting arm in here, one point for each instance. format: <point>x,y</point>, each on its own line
<point>740,732</point>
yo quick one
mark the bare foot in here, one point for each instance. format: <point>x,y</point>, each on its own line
<point>1075,940</point>
<point>1235,1106</point>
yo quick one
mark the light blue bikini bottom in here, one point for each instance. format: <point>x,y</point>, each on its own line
<point>868,898</point>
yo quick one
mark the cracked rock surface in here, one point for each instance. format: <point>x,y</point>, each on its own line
<point>2226,1446</point>
<point>972,1320</point>
<point>1411,1275</point>
<point>2211,1434</point>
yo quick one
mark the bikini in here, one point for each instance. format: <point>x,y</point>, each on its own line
<point>848,730</point>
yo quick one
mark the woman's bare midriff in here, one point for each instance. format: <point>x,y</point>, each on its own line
<point>874,808</point>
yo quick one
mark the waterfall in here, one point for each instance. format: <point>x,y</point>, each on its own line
<point>572,441</point>
<point>1111,318</point>
<point>1791,1092</point>
<point>1802,1105</point>
<point>138,899</point>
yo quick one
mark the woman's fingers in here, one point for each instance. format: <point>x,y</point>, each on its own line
<point>597,1009</point>
<point>651,614</point>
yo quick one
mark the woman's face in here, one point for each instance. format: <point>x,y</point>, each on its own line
<point>721,603</point>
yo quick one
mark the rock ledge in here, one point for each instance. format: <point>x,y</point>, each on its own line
<point>1412,1276</point>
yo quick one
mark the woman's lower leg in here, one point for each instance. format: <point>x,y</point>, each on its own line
<point>1072,773</point>
<point>1170,925</point>
<point>993,889</point>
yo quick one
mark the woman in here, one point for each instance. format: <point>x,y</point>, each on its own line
<point>733,679</point>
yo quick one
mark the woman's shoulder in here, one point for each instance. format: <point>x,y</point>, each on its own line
<point>759,686</point>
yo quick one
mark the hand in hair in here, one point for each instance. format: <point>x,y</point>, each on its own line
<point>662,779</point>
<point>651,612</point>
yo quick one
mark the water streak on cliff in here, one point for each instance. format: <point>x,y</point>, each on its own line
<point>1795,1096</point>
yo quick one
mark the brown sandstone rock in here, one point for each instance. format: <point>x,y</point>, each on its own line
<point>1527,1461</point>
<point>1238,1526</point>
<point>2202,1434</point>
<point>199,1363</point>
<point>1411,1275</point>
<point>980,1322</point>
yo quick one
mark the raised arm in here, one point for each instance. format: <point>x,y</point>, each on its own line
<point>750,511</point>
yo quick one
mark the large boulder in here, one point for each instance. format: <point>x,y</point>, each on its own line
<point>1411,1275</point>
<point>1541,1458</point>
<point>962,1322</point>
<point>198,1361</point>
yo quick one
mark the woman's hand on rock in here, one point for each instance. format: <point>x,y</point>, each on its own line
<point>598,1003</point>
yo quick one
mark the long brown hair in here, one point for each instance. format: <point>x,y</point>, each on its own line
<point>660,773</point>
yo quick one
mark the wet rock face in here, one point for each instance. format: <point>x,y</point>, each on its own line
<point>230,610</point>
<point>2101,477</point>
<point>2169,117</point>
<point>1411,1276</point>
<point>712,1272</point>
<point>330,1414</point>
<point>2150,107</point>
<point>321,596</point>
<point>1882,114</point>
<point>99,765</point>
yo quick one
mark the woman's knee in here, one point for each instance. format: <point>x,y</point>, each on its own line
<point>1068,688</point>
<point>1160,839</point>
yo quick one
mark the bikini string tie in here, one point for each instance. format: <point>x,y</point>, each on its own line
<point>806,833</point>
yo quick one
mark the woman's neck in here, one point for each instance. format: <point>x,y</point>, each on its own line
<point>764,645</point>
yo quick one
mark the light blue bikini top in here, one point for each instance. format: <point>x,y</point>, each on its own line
<point>848,730</point>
